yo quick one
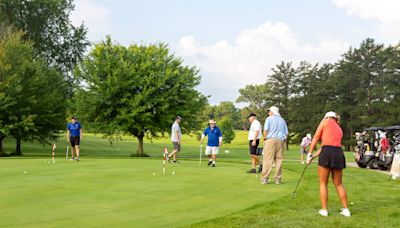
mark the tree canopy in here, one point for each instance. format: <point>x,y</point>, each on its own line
<point>137,90</point>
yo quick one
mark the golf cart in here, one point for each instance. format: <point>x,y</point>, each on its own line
<point>369,151</point>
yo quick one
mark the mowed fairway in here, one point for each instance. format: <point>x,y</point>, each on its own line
<point>107,188</point>
<point>121,192</point>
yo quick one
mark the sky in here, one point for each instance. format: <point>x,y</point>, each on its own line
<point>236,43</point>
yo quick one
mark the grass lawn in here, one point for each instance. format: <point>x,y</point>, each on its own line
<point>103,191</point>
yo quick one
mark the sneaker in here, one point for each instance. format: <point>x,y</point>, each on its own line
<point>209,163</point>
<point>264,181</point>
<point>175,161</point>
<point>252,171</point>
<point>72,159</point>
<point>345,212</point>
<point>278,182</point>
<point>323,212</point>
<point>77,158</point>
<point>213,165</point>
<point>259,169</point>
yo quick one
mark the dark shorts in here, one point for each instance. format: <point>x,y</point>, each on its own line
<point>74,140</point>
<point>332,157</point>
<point>253,149</point>
<point>177,146</point>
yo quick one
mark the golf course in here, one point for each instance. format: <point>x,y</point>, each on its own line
<point>108,188</point>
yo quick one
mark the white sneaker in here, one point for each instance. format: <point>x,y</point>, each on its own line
<point>264,181</point>
<point>323,212</point>
<point>345,212</point>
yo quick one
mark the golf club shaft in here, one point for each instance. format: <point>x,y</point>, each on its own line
<point>201,149</point>
<point>301,177</point>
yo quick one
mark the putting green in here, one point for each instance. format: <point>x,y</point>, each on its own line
<point>124,192</point>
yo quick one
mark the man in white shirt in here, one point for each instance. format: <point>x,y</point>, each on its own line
<point>176,136</point>
<point>255,133</point>
<point>305,142</point>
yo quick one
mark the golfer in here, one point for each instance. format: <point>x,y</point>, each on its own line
<point>74,137</point>
<point>275,134</point>
<point>305,142</point>
<point>214,141</point>
<point>255,133</point>
<point>176,136</point>
<point>331,160</point>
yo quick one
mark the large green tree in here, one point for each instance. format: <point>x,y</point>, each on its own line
<point>47,24</point>
<point>32,95</point>
<point>137,90</point>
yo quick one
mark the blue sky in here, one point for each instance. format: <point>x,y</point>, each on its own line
<point>235,43</point>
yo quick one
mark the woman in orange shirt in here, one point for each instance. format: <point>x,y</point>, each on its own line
<point>331,160</point>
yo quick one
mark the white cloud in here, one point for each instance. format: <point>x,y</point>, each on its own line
<point>228,67</point>
<point>94,15</point>
<point>385,13</point>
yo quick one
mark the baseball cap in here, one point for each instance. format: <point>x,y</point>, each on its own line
<point>251,114</point>
<point>331,114</point>
<point>74,117</point>
<point>178,117</point>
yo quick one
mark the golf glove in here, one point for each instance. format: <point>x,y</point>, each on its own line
<point>309,158</point>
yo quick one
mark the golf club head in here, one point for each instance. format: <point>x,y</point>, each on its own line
<point>293,195</point>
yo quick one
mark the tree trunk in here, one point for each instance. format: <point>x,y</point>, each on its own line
<point>2,152</point>
<point>18,148</point>
<point>139,151</point>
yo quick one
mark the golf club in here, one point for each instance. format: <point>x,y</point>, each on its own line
<point>302,174</point>
<point>201,149</point>
<point>165,154</point>
<point>66,153</point>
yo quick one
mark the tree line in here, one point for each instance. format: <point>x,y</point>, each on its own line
<point>362,87</point>
<point>46,77</point>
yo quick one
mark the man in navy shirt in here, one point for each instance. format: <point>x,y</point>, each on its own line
<point>214,141</point>
<point>74,136</point>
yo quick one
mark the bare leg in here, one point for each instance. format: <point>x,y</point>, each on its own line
<point>72,151</point>
<point>214,157</point>
<point>337,181</point>
<point>77,150</point>
<point>254,161</point>
<point>323,174</point>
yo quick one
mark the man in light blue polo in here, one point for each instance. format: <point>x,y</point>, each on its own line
<point>275,134</point>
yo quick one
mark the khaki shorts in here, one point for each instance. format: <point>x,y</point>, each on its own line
<point>177,146</point>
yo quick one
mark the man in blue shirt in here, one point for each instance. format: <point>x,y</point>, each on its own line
<point>214,141</point>
<point>74,136</point>
<point>275,134</point>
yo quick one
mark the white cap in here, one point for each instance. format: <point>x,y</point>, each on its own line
<point>274,110</point>
<point>331,114</point>
<point>308,135</point>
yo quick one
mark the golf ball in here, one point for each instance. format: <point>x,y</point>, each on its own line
<point>25,172</point>
<point>351,203</point>
<point>154,174</point>
<point>173,173</point>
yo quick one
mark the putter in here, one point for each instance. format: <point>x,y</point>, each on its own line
<point>66,153</point>
<point>201,149</point>
<point>302,174</point>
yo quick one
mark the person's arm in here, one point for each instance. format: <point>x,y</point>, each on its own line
<point>266,128</point>
<point>178,136</point>
<point>220,138</point>
<point>202,137</point>
<point>316,138</point>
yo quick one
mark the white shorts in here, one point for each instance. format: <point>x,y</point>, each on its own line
<point>212,150</point>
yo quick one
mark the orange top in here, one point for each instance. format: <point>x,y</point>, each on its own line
<point>329,132</point>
